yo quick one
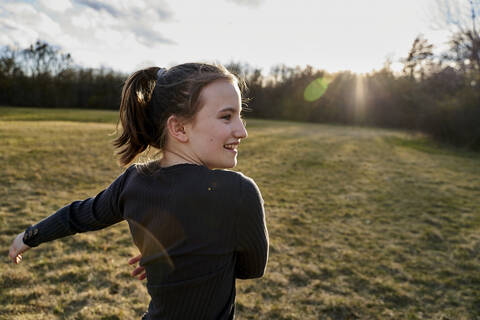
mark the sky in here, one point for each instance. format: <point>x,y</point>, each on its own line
<point>126,35</point>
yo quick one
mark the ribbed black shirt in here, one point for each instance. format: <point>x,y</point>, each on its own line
<point>197,230</point>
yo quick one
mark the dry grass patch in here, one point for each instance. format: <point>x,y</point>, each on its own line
<point>364,223</point>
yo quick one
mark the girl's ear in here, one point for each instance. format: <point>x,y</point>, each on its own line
<point>176,128</point>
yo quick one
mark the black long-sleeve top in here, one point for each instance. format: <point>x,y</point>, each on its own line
<point>197,230</point>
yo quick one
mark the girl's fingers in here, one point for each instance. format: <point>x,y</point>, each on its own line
<point>17,259</point>
<point>135,259</point>
<point>137,271</point>
<point>15,256</point>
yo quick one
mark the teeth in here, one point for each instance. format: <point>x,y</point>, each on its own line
<point>230,146</point>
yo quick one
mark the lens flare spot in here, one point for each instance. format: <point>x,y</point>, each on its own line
<point>156,249</point>
<point>315,89</point>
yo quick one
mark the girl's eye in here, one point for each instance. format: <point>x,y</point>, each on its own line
<point>227,117</point>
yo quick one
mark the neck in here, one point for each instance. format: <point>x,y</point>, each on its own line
<point>171,158</point>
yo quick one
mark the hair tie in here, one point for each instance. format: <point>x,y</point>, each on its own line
<point>155,94</point>
<point>160,72</point>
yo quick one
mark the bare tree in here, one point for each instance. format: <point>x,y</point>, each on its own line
<point>419,59</point>
<point>9,65</point>
<point>462,17</point>
<point>456,15</point>
<point>45,59</point>
<point>465,51</point>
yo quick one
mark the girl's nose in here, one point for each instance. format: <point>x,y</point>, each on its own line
<point>241,131</point>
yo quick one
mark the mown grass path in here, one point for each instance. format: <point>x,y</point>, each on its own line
<point>364,223</point>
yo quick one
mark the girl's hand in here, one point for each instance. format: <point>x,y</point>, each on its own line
<point>17,248</point>
<point>138,270</point>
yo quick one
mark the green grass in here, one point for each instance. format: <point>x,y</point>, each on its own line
<point>37,114</point>
<point>364,223</point>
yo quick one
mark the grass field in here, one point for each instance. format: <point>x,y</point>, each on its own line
<point>364,223</point>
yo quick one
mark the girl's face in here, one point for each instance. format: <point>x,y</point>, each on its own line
<point>217,128</point>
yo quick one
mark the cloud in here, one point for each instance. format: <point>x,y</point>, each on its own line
<point>94,24</point>
<point>248,3</point>
<point>21,23</point>
<point>56,5</point>
<point>133,9</point>
<point>148,37</point>
<point>99,6</point>
<point>137,17</point>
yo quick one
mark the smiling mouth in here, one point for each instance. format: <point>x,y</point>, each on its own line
<point>231,147</point>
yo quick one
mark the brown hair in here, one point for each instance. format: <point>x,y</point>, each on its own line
<point>148,101</point>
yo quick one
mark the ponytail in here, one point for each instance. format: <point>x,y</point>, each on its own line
<point>138,128</point>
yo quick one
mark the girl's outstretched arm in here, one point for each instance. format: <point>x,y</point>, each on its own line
<point>17,248</point>
<point>80,216</point>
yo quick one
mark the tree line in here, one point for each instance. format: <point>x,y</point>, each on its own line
<point>42,76</point>
<point>438,94</point>
<point>435,94</point>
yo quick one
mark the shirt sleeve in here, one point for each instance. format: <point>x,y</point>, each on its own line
<point>251,233</point>
<point>94,213</point>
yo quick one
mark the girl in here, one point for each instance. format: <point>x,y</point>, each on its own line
<point>198,229</point>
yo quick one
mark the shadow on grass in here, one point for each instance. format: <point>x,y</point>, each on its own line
<point>430,146</point>
<point>338,313</point>
<point>73,307</point>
